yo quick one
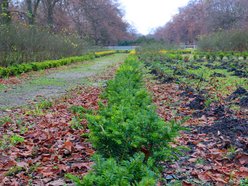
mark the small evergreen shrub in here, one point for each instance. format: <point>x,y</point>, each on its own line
<point>129,137</point>
<point>108,172</point>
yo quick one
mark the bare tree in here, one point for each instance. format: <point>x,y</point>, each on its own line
<point>100,21</point>
<point>105,21</point>
<point>203,17</point>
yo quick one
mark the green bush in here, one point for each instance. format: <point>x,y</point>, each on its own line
<point>105,53</point>
<point>231,40</point>
<point>108,172</point>
<point>127,133</point>
<point>129,123</point>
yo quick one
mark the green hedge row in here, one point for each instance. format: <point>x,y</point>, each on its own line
<point>36,66</point>
<point>129,137</point>
<point>220,55</point>
<point>105,53</point>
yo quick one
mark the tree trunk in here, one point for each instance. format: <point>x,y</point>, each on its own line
<point>5,16</point>
<point>50,15</point>
<point>50,5</point>
<point>30,12</point>
<point>32,7</point>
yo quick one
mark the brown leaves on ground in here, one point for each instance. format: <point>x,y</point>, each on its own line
<point>214,157</point>
<point>51,148</point>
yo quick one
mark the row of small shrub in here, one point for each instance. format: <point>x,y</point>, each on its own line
<point>104,53</point>
<point>36,66</point>
<point>109,52</point>
<point>129,137</point>
<point>158,56</point>
<point>181,51</point>
<point>220,55</point>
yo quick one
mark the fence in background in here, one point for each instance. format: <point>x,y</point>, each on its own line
<point>121,47</point>
<point>188,46</point>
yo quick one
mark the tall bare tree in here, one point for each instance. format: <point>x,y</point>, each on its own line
<point>104,20</point>
<point>202,17</point>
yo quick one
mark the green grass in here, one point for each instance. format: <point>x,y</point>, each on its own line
<point>15,139</point>
<point>44,81</point>
<point>2,87</point>
<point>10,140</point>
<point>5,120</point>
<point>56,82</point>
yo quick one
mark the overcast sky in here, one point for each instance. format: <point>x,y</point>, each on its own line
<point>146,15</point>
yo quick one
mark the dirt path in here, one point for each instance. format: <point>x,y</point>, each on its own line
<point>53,83</point>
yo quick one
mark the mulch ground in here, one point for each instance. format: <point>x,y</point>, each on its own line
<point>217,139</point>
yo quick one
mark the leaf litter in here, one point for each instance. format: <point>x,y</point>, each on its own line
<point>216,155</point>
<point>217,139</point>
<point>51,147</point>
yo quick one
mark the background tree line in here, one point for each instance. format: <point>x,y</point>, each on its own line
<point>34,30</point>
<point>213,24</point>
<point>99,20</point>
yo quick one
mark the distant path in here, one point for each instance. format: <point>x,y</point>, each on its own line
<point>56,83</point>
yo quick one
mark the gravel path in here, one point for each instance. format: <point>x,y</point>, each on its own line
<point>54,83</point>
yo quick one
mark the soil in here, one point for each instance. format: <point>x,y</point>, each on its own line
<point>230,129</point>
<point>192,76</point>
<point>240,73</point>
<point>180,72</point>
<point>210,66</point>
<point>239,92</point>
<point>200,60</point>
<point>197,103</point>
<point>244,102</point>
<point>217,111</point>
<point>163,78</point>
<point>195,67</point>
<point>216,136</point>
<point>167,79</point>
<point>215,74</point>
<point>154,72</point>
<point>188,92</point>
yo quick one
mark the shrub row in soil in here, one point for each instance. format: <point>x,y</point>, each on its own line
<point>129,137</point>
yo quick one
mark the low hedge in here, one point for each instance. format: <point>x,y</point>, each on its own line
<point>129,137</point>
<point>36,66</point>
<point>105,53</point>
